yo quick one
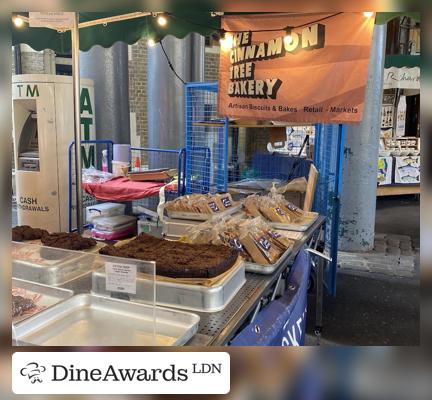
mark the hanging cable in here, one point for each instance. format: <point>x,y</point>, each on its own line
<point>170,64</point>
<point>258,30</point>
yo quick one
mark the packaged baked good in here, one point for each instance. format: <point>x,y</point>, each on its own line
<point>251,206</point>
<point>224,201</point>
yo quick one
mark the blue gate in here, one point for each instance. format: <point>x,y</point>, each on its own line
<point>207,162</point>
<point>206,140</point>
<point>328,157</point>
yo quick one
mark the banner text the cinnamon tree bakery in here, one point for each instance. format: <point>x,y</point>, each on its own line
<point>316,73</point>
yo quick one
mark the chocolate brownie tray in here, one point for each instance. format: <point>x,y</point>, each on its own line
<point>183,293</point>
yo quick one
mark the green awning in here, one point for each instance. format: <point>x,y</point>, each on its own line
<point>181,23</point>
<point>400,61</point>
<point>384,17</point>
<point>129,31</point>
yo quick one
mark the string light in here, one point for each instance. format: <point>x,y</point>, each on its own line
<point>226,40</point>
<point>151,43</point>
<point>288,39</point>
<point>18,22</point>
<point>162,20</point>
<point>368,14</point>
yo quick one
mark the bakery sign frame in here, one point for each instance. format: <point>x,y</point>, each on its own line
<point>303,68</point>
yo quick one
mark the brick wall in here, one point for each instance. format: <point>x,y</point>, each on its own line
<point>211,64</point>
<point>32,63</point>
<point>138,82</point>
<point>138,87</point>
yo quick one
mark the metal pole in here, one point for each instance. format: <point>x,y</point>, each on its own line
<point>77,122</point>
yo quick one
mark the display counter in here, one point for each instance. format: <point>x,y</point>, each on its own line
<point>97,305</point>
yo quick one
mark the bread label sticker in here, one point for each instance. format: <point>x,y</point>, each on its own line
<point>292,207</point>
<point>235,243</point>
<point>226,202</point>
<point>121,277</point>
<point>274,235</point>
<point>264,243</point>
<point>279,211</point>
<point>213,206</point>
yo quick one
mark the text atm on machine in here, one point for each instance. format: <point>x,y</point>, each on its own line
<point>43,128</point>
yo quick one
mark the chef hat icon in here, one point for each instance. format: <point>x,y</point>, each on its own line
<point>32,371</point>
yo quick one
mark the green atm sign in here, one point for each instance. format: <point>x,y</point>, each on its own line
<point>88,157</point>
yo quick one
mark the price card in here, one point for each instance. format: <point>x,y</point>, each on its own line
<point>121,277</point>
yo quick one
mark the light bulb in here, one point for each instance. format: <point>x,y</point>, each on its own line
<point>151,43</point>
<point>162,20</point>
<point>368,14</point>
<point>288,39</point>
<point>18,22</point>
<point>226,42</point>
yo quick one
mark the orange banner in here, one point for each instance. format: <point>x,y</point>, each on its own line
<point>304,68</point>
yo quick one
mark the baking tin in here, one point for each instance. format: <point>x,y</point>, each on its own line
<point>90,320</point>
<point>304,225</point>
<point>268,269</point>
<point>203,217</point>
<point>64,267</point>
<point>176,228</point>
<point>180,295</point>
<point>49,295</point>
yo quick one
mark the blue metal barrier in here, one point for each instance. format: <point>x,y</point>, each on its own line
<point>177,160</point>
<point>283,321</point>
<point>328,159</point>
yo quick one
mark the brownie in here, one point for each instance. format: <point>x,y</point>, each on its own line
<point>21,233</point>
<point>69,241</point>
<point>177,259</point>
<point>20,305</point>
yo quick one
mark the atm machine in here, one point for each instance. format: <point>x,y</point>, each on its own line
<point>43,128</point>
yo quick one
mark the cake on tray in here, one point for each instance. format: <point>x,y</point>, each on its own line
<point>176,259</point>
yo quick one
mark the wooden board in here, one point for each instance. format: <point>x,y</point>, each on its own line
<point>310,188</point>
<point>396,190</point>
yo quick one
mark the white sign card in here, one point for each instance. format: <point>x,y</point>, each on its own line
<point>121,277</point>
<point>57,20</point>
<point>402,78</point>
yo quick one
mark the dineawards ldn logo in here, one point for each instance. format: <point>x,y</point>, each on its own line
<point>120,373</point>
<point>33,371</point>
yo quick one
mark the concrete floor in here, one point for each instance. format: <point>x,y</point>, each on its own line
<point>370,308</point>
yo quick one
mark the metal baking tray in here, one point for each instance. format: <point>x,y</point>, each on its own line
<point>68,265</point>
<point>203,217</point>
<point>304,225</point>
<point>176,228</point>
<point>180,295</point>
<point>89,320</point>
<point>49,295</point>
<point>268,269</point>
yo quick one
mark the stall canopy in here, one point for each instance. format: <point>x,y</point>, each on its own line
<point>180,23</point>
<point>137,25</point>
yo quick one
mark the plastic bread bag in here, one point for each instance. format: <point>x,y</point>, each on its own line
<point>200,234</point>
<point>224,201</point>
<point>259,245</point>
<point>280,199</point>
<point>93,175</point>
<point>273,211</point>
<point>279,239</point>
<point>251,205</point>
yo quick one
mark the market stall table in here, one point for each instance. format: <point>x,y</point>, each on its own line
<point>217,329</point>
